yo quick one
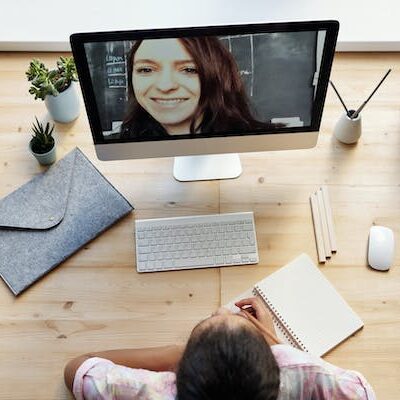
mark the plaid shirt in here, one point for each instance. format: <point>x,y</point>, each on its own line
<point>303,377</point>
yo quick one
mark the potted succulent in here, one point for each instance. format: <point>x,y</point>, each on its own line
<point>56,87</point>
<point>42,144</point>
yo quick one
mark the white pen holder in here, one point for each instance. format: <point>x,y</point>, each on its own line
<point>348,130</point>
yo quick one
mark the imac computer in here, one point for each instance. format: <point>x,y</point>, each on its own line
<point>203,94</point>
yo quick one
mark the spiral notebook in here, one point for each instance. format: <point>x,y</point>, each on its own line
<point>308,312</point>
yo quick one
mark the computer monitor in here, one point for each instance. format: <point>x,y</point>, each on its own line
<point>204,93</point>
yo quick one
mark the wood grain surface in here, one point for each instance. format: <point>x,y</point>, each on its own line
<point>96,300</point>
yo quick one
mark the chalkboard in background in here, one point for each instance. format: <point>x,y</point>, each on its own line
<point>284,87</point>
<point>107,66</point>
<point>278,70</point>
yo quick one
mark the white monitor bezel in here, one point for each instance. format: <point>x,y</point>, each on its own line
<point>219,145</point>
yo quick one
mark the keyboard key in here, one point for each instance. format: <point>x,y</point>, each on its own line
<point>142,257</point>
<point>219,260</point>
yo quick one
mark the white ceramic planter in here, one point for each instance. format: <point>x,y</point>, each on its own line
<point>45,158</point>
<point>348,130</point>
<point>64,107</point>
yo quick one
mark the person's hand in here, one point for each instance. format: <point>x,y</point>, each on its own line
<point>255,309</point>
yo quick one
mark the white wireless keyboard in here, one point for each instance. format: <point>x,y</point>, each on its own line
<point>195,242</point>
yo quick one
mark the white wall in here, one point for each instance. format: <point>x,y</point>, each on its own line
<point>47,24</point>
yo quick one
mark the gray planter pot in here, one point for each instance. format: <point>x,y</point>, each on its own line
<point>64,107</point>
<point>45,158</point>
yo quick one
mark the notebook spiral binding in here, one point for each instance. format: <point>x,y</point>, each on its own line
<point>293,338</point>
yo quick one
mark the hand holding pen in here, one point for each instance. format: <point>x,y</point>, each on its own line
<point>255,310</point>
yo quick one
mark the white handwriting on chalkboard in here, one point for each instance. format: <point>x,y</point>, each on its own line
<point>249,69</point>
<point>116,82</point>
<point>112,59</point>
<point>113,69</point>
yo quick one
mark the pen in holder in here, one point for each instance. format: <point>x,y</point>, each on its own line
<point>348,128</point>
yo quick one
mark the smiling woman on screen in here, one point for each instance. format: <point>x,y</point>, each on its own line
<point>185,86</point>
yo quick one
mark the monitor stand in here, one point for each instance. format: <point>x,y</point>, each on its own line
<point>205,168</point>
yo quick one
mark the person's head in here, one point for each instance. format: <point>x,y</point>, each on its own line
<point>227,357</point>
<point>185,85</point>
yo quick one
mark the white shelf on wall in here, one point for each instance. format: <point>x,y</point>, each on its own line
<point>40,25</point>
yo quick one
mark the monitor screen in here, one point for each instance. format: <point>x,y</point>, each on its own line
<point>205,82</point>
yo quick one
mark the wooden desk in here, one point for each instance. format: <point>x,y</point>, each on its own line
<point>96,300</point>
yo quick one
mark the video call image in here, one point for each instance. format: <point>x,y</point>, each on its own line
<point>159,89</point>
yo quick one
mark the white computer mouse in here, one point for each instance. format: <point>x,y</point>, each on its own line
<point>380,248</point>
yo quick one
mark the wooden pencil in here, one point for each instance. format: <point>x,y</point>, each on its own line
<point>317,228</point>
<point>324,224</point>
<point>329,218</point>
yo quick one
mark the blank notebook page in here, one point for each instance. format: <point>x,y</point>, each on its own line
<point>310,307</point>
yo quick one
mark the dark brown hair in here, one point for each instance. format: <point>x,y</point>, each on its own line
<point>223,362</point>
<point>223,100</point>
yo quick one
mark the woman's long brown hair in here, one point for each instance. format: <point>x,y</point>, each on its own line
<point>223,104</point>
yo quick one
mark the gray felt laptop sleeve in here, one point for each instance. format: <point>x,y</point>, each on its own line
<point>54,215</point>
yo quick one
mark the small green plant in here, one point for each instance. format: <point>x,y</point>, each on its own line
<point>51,82</point>
<point>42,141</point>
